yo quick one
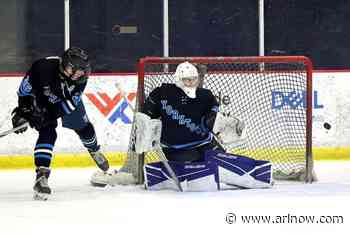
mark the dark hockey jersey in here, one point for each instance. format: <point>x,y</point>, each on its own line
<point>45,83</point>
<point>183,118</point>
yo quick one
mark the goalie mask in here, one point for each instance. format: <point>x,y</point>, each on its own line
<point>187,78</point>
<point>75,65</point>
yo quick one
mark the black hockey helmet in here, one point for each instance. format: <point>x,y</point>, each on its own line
<point>78,60</point>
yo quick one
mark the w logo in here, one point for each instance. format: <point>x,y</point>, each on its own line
<point>109,106</point>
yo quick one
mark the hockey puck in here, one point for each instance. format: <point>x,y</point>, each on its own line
<point>327,126</point>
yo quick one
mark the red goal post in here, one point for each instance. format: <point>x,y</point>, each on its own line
<point>271,94</point>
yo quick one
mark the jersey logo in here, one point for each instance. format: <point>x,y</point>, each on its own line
<point>183,100</point>
<point>52,98</point>
<point>181,119</point>
<point>25,87</point>
<point>65,86</point>
<point>71,88</point>
<point>76,99</point>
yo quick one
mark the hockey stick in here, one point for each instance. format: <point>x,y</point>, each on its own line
<point>169,169</point>
<point>159,151</point>
<point>3,134</point>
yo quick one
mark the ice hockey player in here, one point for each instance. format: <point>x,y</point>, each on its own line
<point>52,88</point>
<point>189,115</point>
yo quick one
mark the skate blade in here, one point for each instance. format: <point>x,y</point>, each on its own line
<point>40,196</point>
<point>100,185</point>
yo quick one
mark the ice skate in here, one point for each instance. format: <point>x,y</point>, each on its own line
<point>41,187</point>
<point>100,160</point>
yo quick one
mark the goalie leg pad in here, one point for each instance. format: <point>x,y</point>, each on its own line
<point>263,171</point>
<point>196,176</point>
<point>241,171</point>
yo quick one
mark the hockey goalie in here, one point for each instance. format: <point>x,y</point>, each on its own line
<point>181,124</point>
<point>209,168</point>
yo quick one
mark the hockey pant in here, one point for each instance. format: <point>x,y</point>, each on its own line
<point>77,121</point>
<point>218,169</point>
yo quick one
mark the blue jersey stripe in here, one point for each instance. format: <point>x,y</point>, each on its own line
<point>44,145</point>
<point>192,144</point>
<point>43,156</point>
<point>65,108</point>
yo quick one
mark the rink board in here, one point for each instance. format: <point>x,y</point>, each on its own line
<point>112,119</point>
<point>118,158</point>
<point>59,160</point>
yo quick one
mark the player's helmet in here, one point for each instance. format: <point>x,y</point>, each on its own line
<point>78,60</point>
<point>184,73</point>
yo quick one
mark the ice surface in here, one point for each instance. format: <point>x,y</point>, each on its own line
<point>75,206</point>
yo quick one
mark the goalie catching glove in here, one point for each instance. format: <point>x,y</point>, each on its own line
<point>229,130</point>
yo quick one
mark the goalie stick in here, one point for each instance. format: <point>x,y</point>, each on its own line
<point>159,150</point>
<point>3,134</point>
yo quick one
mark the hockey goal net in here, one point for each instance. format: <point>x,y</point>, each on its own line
<point>272,95</point>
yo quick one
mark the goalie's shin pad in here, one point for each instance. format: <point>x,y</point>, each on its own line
<point>196,177</point>
<point>241,171</point>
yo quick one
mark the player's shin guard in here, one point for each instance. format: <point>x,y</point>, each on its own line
<point>87,136</point>
<point>199,176</point>
<point>241,171</point>
<point>100,160</point>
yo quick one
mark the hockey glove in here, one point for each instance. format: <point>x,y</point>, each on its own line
<point>36,117</point>
<point>18,119</point>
